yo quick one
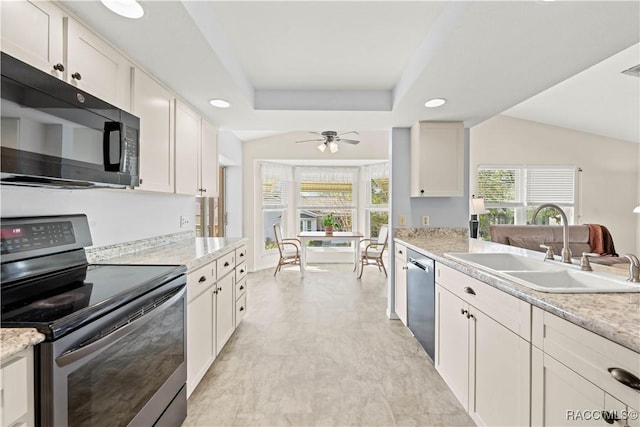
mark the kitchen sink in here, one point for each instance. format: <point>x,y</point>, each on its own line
<point>504,261</point>
<point>571,281</point>
<point>545,276</point>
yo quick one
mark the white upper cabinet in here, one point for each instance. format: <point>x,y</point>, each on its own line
<point>95,67</point>
<point>437,159</point>
<point>188,134</point>
<point>40,34</point>
<point>32,31</point>
<point>209,160</point>
<point>155,107</point>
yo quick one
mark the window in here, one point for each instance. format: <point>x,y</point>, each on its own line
<point>325,190</point>
<point>376,178</point>
<point>276,180</point>
<point>511,194</point>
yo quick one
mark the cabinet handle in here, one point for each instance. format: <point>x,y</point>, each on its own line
<point>76,76</point>
<point>421,191</point>
<point>204,189</point>
<point>220,289</point>
<point>469,315</point>
<point>58,67</point>
<point>241,287</point>
<point>241,308</point>
<point>241,270</point>
<point>463,311</point>
<point>609,417</point>
<point>400,251</point>
<point>469,290</point>
<point>404,267</point>
<point>202,279</point>
<point>625,377</point>
<point>241,254</point>
<point>226,264</point>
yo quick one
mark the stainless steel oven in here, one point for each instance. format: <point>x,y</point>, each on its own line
<point>115,346</point>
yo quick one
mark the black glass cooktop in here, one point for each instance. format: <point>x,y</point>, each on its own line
<point>77,295</point>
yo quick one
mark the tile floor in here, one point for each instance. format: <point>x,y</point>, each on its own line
<point>320,351</point>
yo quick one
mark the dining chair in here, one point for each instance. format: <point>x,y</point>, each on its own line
<point>289,249</point>
<point>373,252</point>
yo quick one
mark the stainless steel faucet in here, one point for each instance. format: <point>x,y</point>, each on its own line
<point>634,268</point>
<point>566,252</point>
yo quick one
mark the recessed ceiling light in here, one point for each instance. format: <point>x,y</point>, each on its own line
<point>435,102</point>
<point>127,8</point>
<point>220,103</point>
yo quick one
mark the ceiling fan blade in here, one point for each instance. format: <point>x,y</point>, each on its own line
<point>317,133</point>
<point>312,140</point>
<point>347,133</point>
<point>349,141</point>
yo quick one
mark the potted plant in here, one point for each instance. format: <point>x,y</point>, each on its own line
<point>329,223</point>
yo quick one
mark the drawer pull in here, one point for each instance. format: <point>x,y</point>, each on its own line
<point>226,264</point>
<point>202,279</point>
<point>469,290</point>
<point>241,254</point>
<point>241,287</point>
<point>463,311</point>
<point>58,67</point>
<point>469,315</point>
<point>241,308</point>
<point>625,377</point>
<point>400,251</point>
<point>76,76</point>
<point>241,270</point>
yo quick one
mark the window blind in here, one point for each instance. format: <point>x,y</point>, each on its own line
<point>326,188</point>
<point>551,185</point>
<point>276,180</point>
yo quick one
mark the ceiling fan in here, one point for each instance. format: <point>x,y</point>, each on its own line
<point>330,139</point>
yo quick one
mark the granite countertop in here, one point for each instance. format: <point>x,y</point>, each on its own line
<point>192,252</point>
<point>13,340</point>
<point>615,316</point>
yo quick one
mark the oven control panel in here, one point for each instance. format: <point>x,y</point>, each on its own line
<point>27,237</point>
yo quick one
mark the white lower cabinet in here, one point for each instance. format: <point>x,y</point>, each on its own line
<point>212,312</point>
<point>484,363</point>
<point>16,392</point>
<point>571,380</point>
<point>225,310</point>
<point>400,282</point>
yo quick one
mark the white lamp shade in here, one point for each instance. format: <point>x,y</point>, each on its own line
<point>333,147</point>
<point>477,206</point>
<point>637,209</point>
<point>322,147</point>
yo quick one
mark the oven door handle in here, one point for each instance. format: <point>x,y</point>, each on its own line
<point>78,353</point>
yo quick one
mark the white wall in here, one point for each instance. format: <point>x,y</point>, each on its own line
<point>230,150</point>
<point>609,182</point>
<point>374,145</point>
<point>114,215</point>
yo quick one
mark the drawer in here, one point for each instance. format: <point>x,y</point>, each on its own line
<point>241,308</point>
<point>241,254</point>
<point>588,354</point>
<point>400,252</point>
<point>226,263</point>
<point>513,313</point>
<point>241,271</point>
<point>241,288</point>
<point>200,280</point>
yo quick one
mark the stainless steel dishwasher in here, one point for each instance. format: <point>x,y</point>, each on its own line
<point>421,299</point>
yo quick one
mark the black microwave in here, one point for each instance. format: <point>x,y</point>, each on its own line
<point>55,134</point>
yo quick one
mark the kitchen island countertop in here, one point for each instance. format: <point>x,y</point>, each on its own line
<point>615,316</point>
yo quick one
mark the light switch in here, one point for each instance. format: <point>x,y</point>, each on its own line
<point>402,220</point>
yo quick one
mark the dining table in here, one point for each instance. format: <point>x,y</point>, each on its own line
<point>306,236</point>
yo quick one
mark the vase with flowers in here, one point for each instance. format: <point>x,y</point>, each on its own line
<point>329,223</point>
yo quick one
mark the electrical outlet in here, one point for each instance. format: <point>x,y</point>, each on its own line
<point>425,219</point>
<point>402,220</point>
<point>183,221</point>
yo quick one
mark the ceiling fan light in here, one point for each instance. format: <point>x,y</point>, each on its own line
<point>333,147</point>
<point>636,209</point>
<point>322,147</point>
<point>435,102</point>
<point>127,8</point>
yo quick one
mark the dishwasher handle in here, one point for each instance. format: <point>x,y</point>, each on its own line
<point>419,264</point>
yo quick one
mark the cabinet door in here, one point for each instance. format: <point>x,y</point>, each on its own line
<point>400,286</point>
<point>154,105</point>
<point>225,310</point>
<point>437,159</point>
<point>452,343</point>
<point>94,66</point>
<point>16,389</point>
<point>200,337</point>
<point>187,143</point>
<point>561,397</point>
<point>499,373</point>
<point>209,160</point>
<point>32,32</point>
